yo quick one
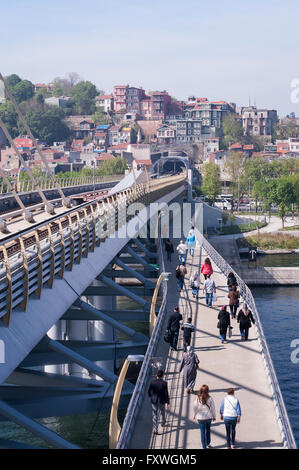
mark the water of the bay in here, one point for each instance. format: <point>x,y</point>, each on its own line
<point>278,260</point>
<point>279,312</point>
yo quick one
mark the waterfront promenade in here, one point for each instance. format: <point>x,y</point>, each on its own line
<point>237,364</point>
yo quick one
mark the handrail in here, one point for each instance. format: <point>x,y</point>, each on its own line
<point>139,390</point>
<point>54,245</point>
<point>245,293</point>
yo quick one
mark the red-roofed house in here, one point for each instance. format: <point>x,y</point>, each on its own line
<point>23,143</point>
<point>105,102</point>
<point>78,144</point>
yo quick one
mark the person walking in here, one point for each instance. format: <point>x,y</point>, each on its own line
<point>245,318</point>
<point>209,288</point>
<point>174,327</point>
<point>233,296</point>
<point>188,329</point>
<point>180,273</point>
<point>223,323</point>
<point>207,268</point>
<point>169,249</point>
<point>191,240</point>
<point>231,281</point>
<point>189,363</point>
<point>182,251</point>
<point>205,413</point>
<point>158,393</point>
<point>195,284</point>
<point>230,412</point>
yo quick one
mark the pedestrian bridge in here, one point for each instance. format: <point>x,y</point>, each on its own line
<point>64,333</point>
<point>60,325</point>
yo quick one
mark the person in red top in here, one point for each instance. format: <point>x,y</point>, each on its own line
<point>206,268</point>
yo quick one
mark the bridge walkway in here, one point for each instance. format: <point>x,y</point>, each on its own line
<point>238,364</point>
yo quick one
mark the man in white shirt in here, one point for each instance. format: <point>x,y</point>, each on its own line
<point>182,251</point>
<point>230,411</point>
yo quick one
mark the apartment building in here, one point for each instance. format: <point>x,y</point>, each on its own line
<point>258,122</point>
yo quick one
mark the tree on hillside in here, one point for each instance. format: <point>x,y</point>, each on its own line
<point>22,91</point>
<point>211,185</point>
<point>74,78</point>
<point>232,129</point>
<point>12,80</point>
<point>83,95</point>
<point>101,118</point>
<point>46,126</point>
<point>9,117</point>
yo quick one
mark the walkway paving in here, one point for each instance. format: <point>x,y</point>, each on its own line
<point>238,364</point>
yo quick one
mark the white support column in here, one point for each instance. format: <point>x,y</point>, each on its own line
<point>99,330</point>
<point>57,332</point>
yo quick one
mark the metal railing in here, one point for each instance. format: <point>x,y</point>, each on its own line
<point>140,387</point>
<point>46,183</point>
<point>34,256</point>
<point>245,293</point>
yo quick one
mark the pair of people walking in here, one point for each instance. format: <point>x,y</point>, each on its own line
<point>205,412</point>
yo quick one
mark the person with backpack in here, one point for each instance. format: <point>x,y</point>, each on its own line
<point>158,393</point>
<point>195,284</point>
<point>233,296</point>
<point>207,268</point>
<point>169,249</point>
<point>180,273</point>
<point>189,363</point>
<point>205,412</point>
<point>230,412</point>
<point>174,327</point>
<point>210,288</point>
<point>188,329</point>
<point>231,281</point>
<point>182,251</point>
<point>245,318</point>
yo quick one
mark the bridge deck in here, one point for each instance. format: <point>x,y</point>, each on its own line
<point>238,364</point>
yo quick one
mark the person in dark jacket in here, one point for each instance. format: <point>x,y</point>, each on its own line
<point>223,323</point>
<point>245,318</point>
<point>158,393</point>
<point>174,327</point>
<point>231,281</point>
<point>233,296</point>
<point>188,329</point>
<point>169,249</point>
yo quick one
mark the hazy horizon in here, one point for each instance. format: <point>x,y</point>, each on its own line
<point>222,50</point>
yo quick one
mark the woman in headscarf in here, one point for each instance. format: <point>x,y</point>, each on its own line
<point>195,283</point>
<point>189,363</point>
<point>245,318</point>
<point>223,323</point>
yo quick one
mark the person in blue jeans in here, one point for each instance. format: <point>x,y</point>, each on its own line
<point>209,288</point>
<point>230,412</point>
<point>205,413</point>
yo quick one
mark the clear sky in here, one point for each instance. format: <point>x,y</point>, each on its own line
<point>221,49</point>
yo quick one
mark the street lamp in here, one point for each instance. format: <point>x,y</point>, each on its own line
<point>114,426</point>
<point>153,317</point>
